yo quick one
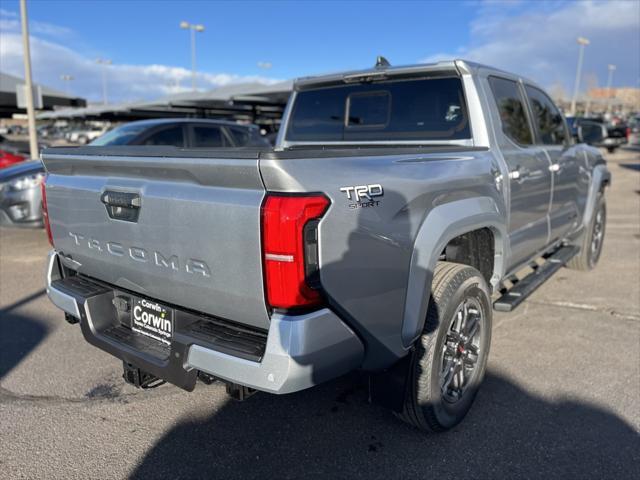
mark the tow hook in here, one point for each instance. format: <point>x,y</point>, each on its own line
<point>239,392</point>
<point>139,378</point>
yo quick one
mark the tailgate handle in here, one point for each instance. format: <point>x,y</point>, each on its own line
<point>122,205</point>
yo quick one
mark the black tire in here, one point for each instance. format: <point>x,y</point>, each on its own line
<point>428,405</point>
<point>611,149</point>
<point>592,239</point>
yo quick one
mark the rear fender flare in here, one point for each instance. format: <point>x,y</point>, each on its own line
<point>600,177</point>
<point>440,226</point>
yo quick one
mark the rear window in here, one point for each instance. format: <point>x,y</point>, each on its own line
<point>122,135</point>
<point>425,109</point>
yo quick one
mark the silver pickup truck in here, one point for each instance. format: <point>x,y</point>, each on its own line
<point>394,214</point>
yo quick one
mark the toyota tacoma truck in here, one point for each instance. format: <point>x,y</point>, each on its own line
<point>399,207</point>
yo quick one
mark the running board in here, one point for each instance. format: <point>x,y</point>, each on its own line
<point>525,287</point>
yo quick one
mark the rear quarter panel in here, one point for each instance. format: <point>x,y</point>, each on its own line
<point>366,253</point>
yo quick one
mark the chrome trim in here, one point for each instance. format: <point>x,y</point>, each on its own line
<point>60,299</point>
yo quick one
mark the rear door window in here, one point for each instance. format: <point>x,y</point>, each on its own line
<point>209,136</point>
<point>546,117</point>
<point>416,109</point>
<point>511,108</point>
<point>168,136</point>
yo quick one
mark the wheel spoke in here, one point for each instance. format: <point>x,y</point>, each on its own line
<point>448,374</point>
<point>472,327</point>
<point>460,379</point>
<point>471,360</point>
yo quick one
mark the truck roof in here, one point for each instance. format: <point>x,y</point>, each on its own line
<point>445,67</point>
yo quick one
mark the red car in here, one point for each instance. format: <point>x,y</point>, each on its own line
<point>8,158</point>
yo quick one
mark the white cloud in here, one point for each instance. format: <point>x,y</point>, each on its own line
<point>538,40</point>
<point>51,58</point>
<point>10,22</point>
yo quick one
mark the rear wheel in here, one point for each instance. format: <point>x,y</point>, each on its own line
<point>451,355</point>
<point>592,240</point>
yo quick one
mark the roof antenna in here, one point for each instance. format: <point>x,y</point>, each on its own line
<point>382,62</point>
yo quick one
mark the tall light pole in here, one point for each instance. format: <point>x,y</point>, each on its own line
<point>194,28</point>
<point>26,55</point>
<point>612,69</point>
<point>105,62</point>
<point>582,42</point>
<point>66,79</point>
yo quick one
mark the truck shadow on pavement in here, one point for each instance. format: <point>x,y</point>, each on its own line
<point>19,333</point>
<point>331,431</point>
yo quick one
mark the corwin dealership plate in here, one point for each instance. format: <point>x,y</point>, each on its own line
<point>152,319</point>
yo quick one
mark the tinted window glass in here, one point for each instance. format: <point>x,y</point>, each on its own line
<point>168,136</point>
<point>512,112</point>
<point>208,137</point>
<point>244,137</point>
<point>120,136</point>
<point>368,109</point>
<point>241,136</point>
<point>425,109</point>
<point>546,117</point>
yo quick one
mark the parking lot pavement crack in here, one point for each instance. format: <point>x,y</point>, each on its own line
<point>586,307</point>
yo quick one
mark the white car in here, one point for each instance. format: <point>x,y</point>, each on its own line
<point>85,136</point>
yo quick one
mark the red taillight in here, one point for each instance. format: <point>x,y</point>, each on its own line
<point>283,247</point>
<point>45,212</point>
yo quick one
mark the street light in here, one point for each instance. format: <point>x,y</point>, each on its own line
<point>582,42</point>
<point>105,64</point>
<point>66,79</point>
<point>26,56</point>
<point>611,68</point>
<point>194,29</point>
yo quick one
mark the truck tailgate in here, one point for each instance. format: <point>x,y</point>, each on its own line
<point>183,229</point>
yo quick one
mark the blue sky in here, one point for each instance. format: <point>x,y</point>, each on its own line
<point>150,52</point>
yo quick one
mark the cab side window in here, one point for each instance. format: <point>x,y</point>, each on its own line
<point>511,106</point>
<point>168,136</point>
<point>546,117</point>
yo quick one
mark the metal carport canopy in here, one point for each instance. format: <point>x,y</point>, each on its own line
<point>243,100</point>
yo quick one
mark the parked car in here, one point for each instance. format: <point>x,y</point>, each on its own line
<point>616,134</point>
<point>634,130</point>
<point>17,146</point>
<point>8,158</point>
<point>184,133</point>
<point>396,203</point>
<point>86,134</point>
<point>20,194</point>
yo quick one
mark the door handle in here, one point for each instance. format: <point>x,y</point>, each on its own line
<point>519,174</point>
<point>554,167</point>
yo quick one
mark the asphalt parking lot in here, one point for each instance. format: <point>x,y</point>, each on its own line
<point>562,396</point>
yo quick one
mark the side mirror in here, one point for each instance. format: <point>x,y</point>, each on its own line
<point>591,133</point>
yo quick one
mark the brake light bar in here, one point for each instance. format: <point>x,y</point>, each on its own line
<point>289,251</point>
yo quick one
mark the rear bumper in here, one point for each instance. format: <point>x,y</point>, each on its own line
<point>299,351</point>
